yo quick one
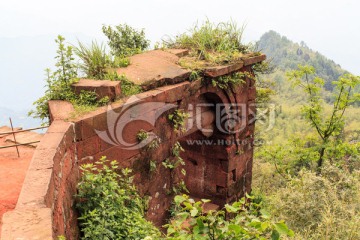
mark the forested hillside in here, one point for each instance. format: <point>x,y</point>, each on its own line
<point>284,56</point>
<point>287,55</point>
<point>316,202</point>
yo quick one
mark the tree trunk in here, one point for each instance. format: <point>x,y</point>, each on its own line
<point>321,160</point>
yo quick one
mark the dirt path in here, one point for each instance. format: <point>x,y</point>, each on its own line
<point>12,174</point>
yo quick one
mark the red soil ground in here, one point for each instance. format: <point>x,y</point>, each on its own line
<point>12,175</point>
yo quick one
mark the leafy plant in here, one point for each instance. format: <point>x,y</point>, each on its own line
<point>172,163</point>
<point>227,81</point>
<point>194,75</point>
<point>249,221</point>
<point>179,188</point>
<point>142,135</point>
<point>155,143</point>
<point>176,160</point>
<point>178,119</point>
<point>153,166</point>
<point>58,85</point>
<point>87,98</point>
<point>128,88</point>
<point>103,101</point>
<point>109,205</point>
<point>124,40</point>
<point>121,62</point>
<point>325,126</point>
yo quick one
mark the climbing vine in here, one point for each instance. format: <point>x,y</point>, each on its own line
<point>178,119</point>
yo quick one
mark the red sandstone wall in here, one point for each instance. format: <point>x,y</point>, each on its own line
<point>45,207</point>
<point>221,173</point>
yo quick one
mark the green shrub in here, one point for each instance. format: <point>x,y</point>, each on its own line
<point>176,160</point>
<point>58,85</point>
<point>124,40</point>
<point>142,135</point>
<point>249,222</point>
<point>121,62</point>
<point>109,205</point>
<point>128,88</point>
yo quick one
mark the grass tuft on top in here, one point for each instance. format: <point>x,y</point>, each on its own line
<point>217,43</point>
<point>94,58</point>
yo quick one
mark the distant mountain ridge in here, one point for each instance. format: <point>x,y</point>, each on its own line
<point>287,55</point>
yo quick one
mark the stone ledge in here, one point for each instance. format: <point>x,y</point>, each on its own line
<point>250,60</point>
<point>103,88</point>
<point>178,52</point>
<point>222,70</point>
<point>60,110</point>
<point>27,224</point>
<point>38,177</point>
<point>154,69</point>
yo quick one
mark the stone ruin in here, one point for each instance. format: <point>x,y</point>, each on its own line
<point>218,150</point>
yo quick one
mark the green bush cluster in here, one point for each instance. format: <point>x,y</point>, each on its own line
<point>124,40</point>
<point>128,88</point>
<point>249,221</point>
<point>59,84</point>
<point>95,63</point>
<point>109,205</point>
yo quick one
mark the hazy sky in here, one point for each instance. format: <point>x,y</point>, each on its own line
<point>331,27</point>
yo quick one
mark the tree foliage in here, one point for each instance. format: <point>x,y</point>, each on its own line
<point>326,126</point>
<point>124,40</point>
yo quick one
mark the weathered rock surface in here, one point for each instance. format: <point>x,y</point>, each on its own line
<point>154,69</point>
<point>60,110</point>
<point>102,88</point>
<point>31,224</point>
